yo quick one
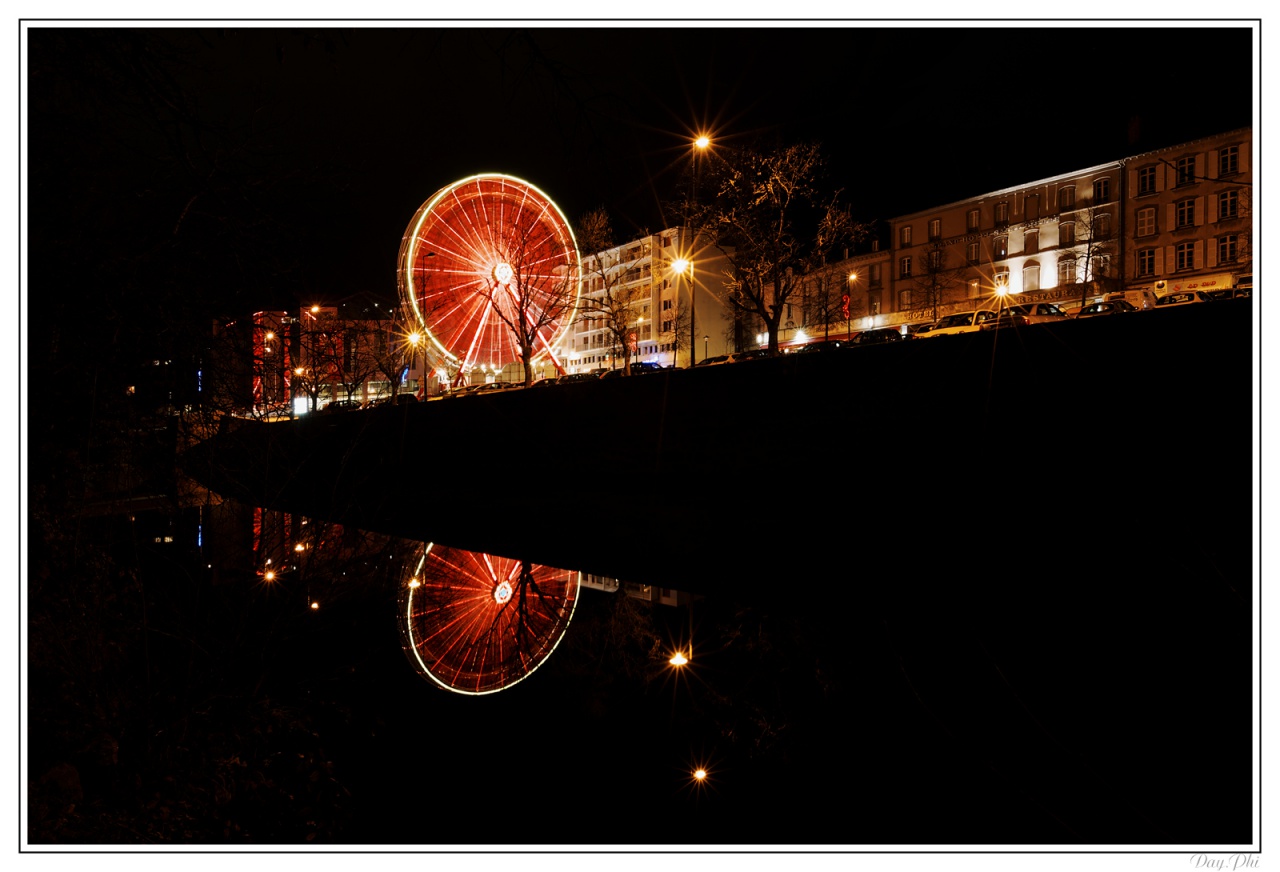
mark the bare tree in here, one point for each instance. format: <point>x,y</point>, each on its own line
<point>1095,244</point>
<point>936,278</point>
<point>531,288</point>
<point>772,221</point>
<point>612,304</point>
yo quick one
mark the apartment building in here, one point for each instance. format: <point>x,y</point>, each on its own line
<point>673,294</point>
<point>1189,214</point>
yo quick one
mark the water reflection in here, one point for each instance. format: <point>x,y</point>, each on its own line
<point>478,623</point>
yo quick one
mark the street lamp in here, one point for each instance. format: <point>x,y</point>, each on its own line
<point>848,307</point>
<point>706,346</point>
<point>680,266</point>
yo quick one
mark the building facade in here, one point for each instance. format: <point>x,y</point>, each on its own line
<point>1189,214</point>
<point>675,297</point>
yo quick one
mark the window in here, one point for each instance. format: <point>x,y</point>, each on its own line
<point>1101,226</point>
<point>1147,221</point>
<point>972,222</point>
<point>1002,213</point>
<point>1001,278</point>
<point>1229,160</point>
<point>1228,248</point>
<point>875,245</point>
<point>1102,190</point>
<point>874,271</point>
<point>904,268</point>
<point>1185,255</point>
<point>1067,271</point>
<point>971,253</point>
<point>1147,180</point>
<point>666,326</point>
<point>1147,262</point>
<point>1187,212</point>
<point>904,299</point>
<point>1067,233</point>
<point>1031,242</point>
<point>1102,265</point>
<point>1186,170</point>
<point>1031,278</point>
<point>1067,197</point>
<point>904,236</point>
<point>935,228</point>
<point>935,259</point>
<point>666,304</point>
<point>1228,204</point>
<point>1001,249</point>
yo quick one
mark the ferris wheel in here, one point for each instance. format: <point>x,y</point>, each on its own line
<point>475,623</point>
<point>487,264</point>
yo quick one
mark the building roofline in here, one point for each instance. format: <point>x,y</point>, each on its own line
<point>1178,145</point>
<point>1113,164</point>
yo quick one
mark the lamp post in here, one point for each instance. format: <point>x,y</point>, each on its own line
<point>680,266</point>
<point>706,345</point>
<point>699,145</point>
<point>848,307</point>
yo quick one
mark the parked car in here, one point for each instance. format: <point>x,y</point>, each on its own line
<point>961,322</point>
<point>713,361</point>
<point>820,346</point>
<point>546,382</point>
<point>1021,314</point>
<point>573,377</point>
<point>917,330</point>
<point>1181,298</point>
<point>751,354</point>
<point>1107,307</point>
<point>878,336</point>
<point>638,367</point>
<point>342,406</point>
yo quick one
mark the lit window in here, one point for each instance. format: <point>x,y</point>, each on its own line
<point>1187,212</point>
<point>1186,170</point>
<point>1067,233</point>
<point>1146,221</point>
<point>1102,226</point>
<point>1002,213</point>
<point>904,268</point>
<point>1102,265</point>
<point>935,260</point>
<point>1186,255</point>
<point>1228,204</point>
<point>973,219</point>
<point>904,236</point>
<point>1147,180</point>
<point>1031,278</point>
<point>1067,198</point>
<point>1102,191</point>
<point>1147,262</point>
<point>1067,271</point>
<point>1001,249</point>
<point>1229,160</point>
<point>935,228</point>
<point>971,253</point>
<point>1228,248</point>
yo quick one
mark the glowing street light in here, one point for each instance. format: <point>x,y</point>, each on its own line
<point>700,774</point>
<point>678,659</point>
<point>702,142</point>
<point>679,266</point>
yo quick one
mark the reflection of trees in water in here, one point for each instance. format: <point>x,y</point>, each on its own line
<point>478,623</point>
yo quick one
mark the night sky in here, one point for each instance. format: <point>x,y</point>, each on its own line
<point>179,175</point>
<point>325,141</point>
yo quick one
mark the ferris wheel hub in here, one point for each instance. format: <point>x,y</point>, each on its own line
<point>503,273</point>
<point>502,593</point>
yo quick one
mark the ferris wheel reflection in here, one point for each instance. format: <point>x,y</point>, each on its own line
<point>476,623</point>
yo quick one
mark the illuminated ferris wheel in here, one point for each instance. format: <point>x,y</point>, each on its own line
<point>475,623</point>
<point>485,263</point>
